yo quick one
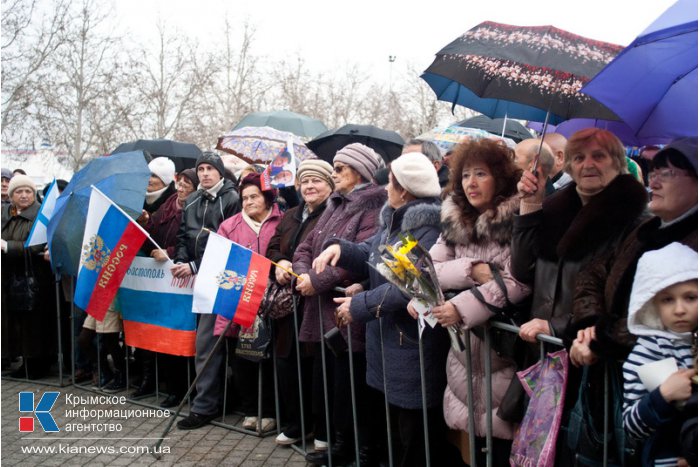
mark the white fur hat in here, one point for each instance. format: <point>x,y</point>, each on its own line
<point>656,270</point>
<point>163,168</point>
<point>20,180</point>
<point>416,173</point>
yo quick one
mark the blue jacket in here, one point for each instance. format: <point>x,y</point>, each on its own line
<point>400,331</point>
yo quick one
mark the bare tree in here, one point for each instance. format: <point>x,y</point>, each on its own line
<point>74,95</point>
<point>29,38</point>
<point>170,78</point>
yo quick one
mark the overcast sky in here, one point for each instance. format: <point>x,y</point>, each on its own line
<point>330,33</point>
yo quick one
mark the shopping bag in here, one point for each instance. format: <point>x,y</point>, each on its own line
<point>535,439</point>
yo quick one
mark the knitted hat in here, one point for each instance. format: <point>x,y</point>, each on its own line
<point>254,179</point>
<point>688,147</point>
<point>191,175</point>
<point>163,168</point>
<point>7,173</point>
<point>361,158</point>
<point>212,159</point>
<point>317,167</point>
<point>656,270</point>
<point>20,180</point>
<point>417,174</point>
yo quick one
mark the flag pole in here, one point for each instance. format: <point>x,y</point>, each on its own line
<point>276,264</point>
<point>132,220</point>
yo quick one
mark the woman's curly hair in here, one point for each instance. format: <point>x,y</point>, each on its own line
<point>498,157</point>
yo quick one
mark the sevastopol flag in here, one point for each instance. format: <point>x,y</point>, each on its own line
<point>231,281</point>
<point>157,308</point>
<point>110,242</point>
<point>37,235</point>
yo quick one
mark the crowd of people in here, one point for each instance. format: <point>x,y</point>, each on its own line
<point>603,251</point>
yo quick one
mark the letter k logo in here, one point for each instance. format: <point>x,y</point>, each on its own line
<point>42,411</point>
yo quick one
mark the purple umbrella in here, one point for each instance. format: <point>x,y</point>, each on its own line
<point>652,85</point>
<point>619,129</point>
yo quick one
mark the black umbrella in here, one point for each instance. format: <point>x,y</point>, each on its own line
<point>184,155</point>
<point>514,129</point>
<point>387,144</point>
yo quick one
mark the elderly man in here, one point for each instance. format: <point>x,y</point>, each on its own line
<point>215,200</point>
<point>557,143</point>
<point>525,153</point>
<point>432,152</point>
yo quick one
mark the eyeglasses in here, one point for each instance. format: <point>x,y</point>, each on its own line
<point>339,168</point>
<point>665,175</point>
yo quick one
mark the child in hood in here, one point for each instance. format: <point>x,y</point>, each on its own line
<point>663,313</point>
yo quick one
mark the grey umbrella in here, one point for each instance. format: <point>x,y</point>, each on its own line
<point>514,129</point>
<point>284,120</point>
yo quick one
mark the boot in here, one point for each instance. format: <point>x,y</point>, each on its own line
<point>342,452</point>
<point>148,381</point>
<point>117,384</point>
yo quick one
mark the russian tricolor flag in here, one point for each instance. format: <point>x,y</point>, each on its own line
<point>231,281</point>
<point>157,308</point>
<point>110,242</point>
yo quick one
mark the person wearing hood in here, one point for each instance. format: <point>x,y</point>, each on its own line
<point>601,307</point>
<point>413,207</point>
<point>204,210</point>
<point>351,213</point>
<point>663,314</point>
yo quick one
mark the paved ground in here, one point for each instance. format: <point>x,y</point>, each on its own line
<point>210,445</point>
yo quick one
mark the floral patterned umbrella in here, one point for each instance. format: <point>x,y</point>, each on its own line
<point>499,69</point>
<point>446,137</point>
<point>260,145</point>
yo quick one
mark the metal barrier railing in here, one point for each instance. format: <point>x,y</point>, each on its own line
<point>302,448</point>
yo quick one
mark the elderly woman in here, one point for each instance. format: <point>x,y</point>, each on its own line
<point>477,219</point>
<point>555,240</point>
<point>413,207</point>
<point>315,181</point>
<point>350,214</point>
<point>600,307</point>
<point>253,228</point>
<point>29,334</point>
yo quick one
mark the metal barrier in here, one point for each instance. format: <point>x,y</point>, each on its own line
<point>302,448</point>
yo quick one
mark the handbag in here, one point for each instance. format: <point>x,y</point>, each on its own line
<point>505,343</point>
<point>508,345</point>
<point>277,301</point>
<point>24,288</point>
<point>254,342</point>
<point>585,435</point>
<point>535,439</point>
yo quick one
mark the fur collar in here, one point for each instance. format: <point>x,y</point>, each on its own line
<point>570,230</point>
<point>414,215</point>
<point>364,199</point>
<point>494,225</point>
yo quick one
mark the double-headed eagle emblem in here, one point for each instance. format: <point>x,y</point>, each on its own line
<point>95,253</point>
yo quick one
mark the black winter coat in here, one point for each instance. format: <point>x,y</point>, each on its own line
<point>201,210</point>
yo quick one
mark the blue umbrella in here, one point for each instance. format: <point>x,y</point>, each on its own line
<point>122,177</point>
<point>652,85</point>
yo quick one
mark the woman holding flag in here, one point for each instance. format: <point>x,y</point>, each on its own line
<point>252,228</point>
<point>29,333</point>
